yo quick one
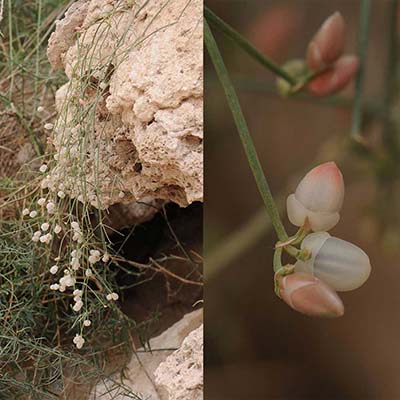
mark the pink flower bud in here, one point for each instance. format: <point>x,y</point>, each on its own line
<point>336,78</point>
<point>328,43</point>
<point>310,296</point>
<point>318,198</point>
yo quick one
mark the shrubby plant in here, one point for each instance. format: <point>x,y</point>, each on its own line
<point>62,325</point>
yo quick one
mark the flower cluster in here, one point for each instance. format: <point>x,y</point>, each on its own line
<point>325,264</point>
<point>72,271</point>
<point>326,70</point>
<point>325,53</point>
<point>79,341</point>
<point>77,233</point>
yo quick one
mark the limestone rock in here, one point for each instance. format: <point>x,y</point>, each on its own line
<point>130,122</point>
<point>182,372</point>
<point>140,372</point>
<point>64,36</point>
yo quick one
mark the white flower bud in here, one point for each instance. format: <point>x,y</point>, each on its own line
<point>318,198</point>
<point>35,238</point>
<point>77,237</point>
<point>25,212</point>
<point>114,296</point>
<point>54,286</point>
<point>67,280</point>
<point>45,226</point>
<point>50,207</point>
<point>48,126</point>
<point>33,214</point>
<point>54,269</point>
<point>43,239</point>
<point>41,201</point>
<point>95,253</point>
<point>88,273</point>
<point>57,229</point>
<point>75,253</point>
<point>43,168</point>
<point>87,322</point>
<point>75,263</point>
<point>61,194</point>
<point>78,341</point>
<point>340,264</point>
<point>93,259</point>
<point>44,184</point>
<point>78,305</point>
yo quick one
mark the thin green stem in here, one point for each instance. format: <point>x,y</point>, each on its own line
<point>277,259</point>
<point>363,32</point>
<point>391,81</point>
<point>10,44</point>
<point>302,254</point>
<point>247,46</point>
<point>244,133</point>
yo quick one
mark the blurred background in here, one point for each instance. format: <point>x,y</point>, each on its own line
<point>256,346</point>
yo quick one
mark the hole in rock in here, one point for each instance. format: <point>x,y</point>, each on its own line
<point>173,237</point>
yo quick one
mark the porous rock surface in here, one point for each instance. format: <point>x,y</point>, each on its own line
<point>146,374</point>
<point>182,372</point>
<point>130,122</point>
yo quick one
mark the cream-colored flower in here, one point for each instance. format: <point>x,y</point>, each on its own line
<point>340,264</point>
<point>318,198</point>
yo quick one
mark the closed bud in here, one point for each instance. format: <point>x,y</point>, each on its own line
<point>335,78</point>
<point>318,198</point>
<point>309,295</point>
<point>340,264</point>
<point>328,43</point>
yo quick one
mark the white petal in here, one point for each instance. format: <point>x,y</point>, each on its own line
<point>297,213</point>
<point>342,265</point>
<point>319,221</point>
<point>313,244</point>
<point>322,189</point>
<point>322,221</point>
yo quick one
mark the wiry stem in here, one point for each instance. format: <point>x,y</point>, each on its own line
<point>244,133</point>
<point>247,46</point>
<point>391,81</point>
<point>363,32</point>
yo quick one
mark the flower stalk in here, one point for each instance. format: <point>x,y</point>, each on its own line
<point>365,16</point>
<point>244,133</point>
<point>247,46</point>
